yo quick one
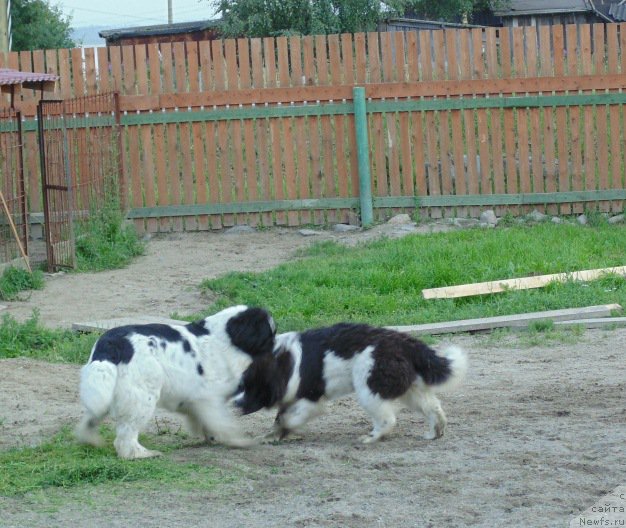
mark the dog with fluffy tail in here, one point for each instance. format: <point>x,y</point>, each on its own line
<point>192,369</point>
<point>384,368</point>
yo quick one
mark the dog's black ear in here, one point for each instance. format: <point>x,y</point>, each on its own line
<point>252,331</point>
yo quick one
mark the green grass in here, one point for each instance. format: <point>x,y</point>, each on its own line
<point>105,241</point>
<point>15,280</point>
<point>32,340</point>
<point>63,463</point>
<point>381,282</point>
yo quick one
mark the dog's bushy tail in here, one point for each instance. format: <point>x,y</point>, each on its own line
<point>97,386</point>
<point>442,370</point>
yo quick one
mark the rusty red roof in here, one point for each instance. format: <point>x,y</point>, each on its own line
<point>27,79</point>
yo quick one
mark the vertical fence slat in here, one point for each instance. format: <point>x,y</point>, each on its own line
<point>576,145</point>
<point>148,165</point>
<point>545,57</point>
<point>615,157</point>
<point>589,152</point>
<point>600,61</point>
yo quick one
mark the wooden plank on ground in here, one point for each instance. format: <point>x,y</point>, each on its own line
<point>524,283</point>
<point>508,321</point>
<point>600,322</point>
<point>106,324</point>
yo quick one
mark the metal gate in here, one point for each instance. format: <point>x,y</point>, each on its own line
<point>13,219</point>
<point>79,145</point>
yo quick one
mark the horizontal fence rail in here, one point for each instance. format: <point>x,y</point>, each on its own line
<point>263,131</point>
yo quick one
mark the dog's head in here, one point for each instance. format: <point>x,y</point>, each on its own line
<point>252,330</point>
<point>264,383</point>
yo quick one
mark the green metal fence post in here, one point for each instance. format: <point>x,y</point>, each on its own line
<point>362,150</point>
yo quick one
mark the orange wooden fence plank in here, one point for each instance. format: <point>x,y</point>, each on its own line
<point>301,177</point>
<point>91,86</point>
<point>589,150</point>
<point>613,66</point>
<point>77,72</point>
<point>225,170</point>
<point>262,185</point>
<point>546,68</point>
<point>173,167</point>
<point>182,69</point>
<point>104,77</point>
<point>211,179</point>
<point>285,182</point>
<point>600,59</point>
<point>576,145</point>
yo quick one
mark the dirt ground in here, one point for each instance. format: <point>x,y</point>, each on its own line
<point>536,434</point>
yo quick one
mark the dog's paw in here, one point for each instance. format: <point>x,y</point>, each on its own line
<point>436,433</point>
<point>368,439</point>
<point>141,453</point>
<point>239,442</point>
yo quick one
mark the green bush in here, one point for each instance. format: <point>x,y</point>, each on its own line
<point>14,280</point>
<point>105,241</point>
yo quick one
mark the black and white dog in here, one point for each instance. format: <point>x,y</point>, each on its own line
<point>192,369</point>
<point>383,367</point>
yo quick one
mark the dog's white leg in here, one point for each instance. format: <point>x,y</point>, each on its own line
<point>297,415</point>
<point>428,404</point>
<point>216,421</point>
<point>382,414</point>
<point>380,410</point>
<point>127,443</point>
<point>132,409</point>
<point>87,430</point>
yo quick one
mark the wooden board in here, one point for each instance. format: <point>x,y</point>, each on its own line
<point>507,321</point>
<point>601,322</point>
<point>106,324</point>
<point>524,283</point>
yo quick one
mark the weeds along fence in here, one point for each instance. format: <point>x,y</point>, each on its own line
<point>262,131</point>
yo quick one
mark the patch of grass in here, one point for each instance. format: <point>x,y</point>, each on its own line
<point>32,340</point>
<point>595,218</point>
<point>63,463</point>
<point>15,280</point>
<point>554,334</point>
<point>381,282</point>
<point>543,325</point>
<point>105,241</point>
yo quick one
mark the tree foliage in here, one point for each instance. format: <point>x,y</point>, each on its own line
<point>263,18</point>
<point>37,24</point>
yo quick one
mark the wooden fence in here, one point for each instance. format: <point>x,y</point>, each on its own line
<point>262,131</point>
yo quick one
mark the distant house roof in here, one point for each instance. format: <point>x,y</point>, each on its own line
<point>10,77</point>
<point>617,10</point>
<point>416,23</point>
<point>539,7</point>
<point>159,30</point>
<point>601,8</point>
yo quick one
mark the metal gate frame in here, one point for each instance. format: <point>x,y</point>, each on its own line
<point>89,125</point>
<point>13,242</point>
<point>56,185</point>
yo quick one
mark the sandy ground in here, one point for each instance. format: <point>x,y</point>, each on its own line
<point>536,434</point>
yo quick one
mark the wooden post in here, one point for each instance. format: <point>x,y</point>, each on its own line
<point>362,147</point>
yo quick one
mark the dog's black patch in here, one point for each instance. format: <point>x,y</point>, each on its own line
<point>264,382</point>
<point>198,329</point>
<point>200,369</point>
<point>114,345</point>
<point>252,331</point>
<point>186,345</point>
<point>399,359</point>
<point>314,343</point>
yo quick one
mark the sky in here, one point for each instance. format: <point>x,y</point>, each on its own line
<point>121,13</point>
